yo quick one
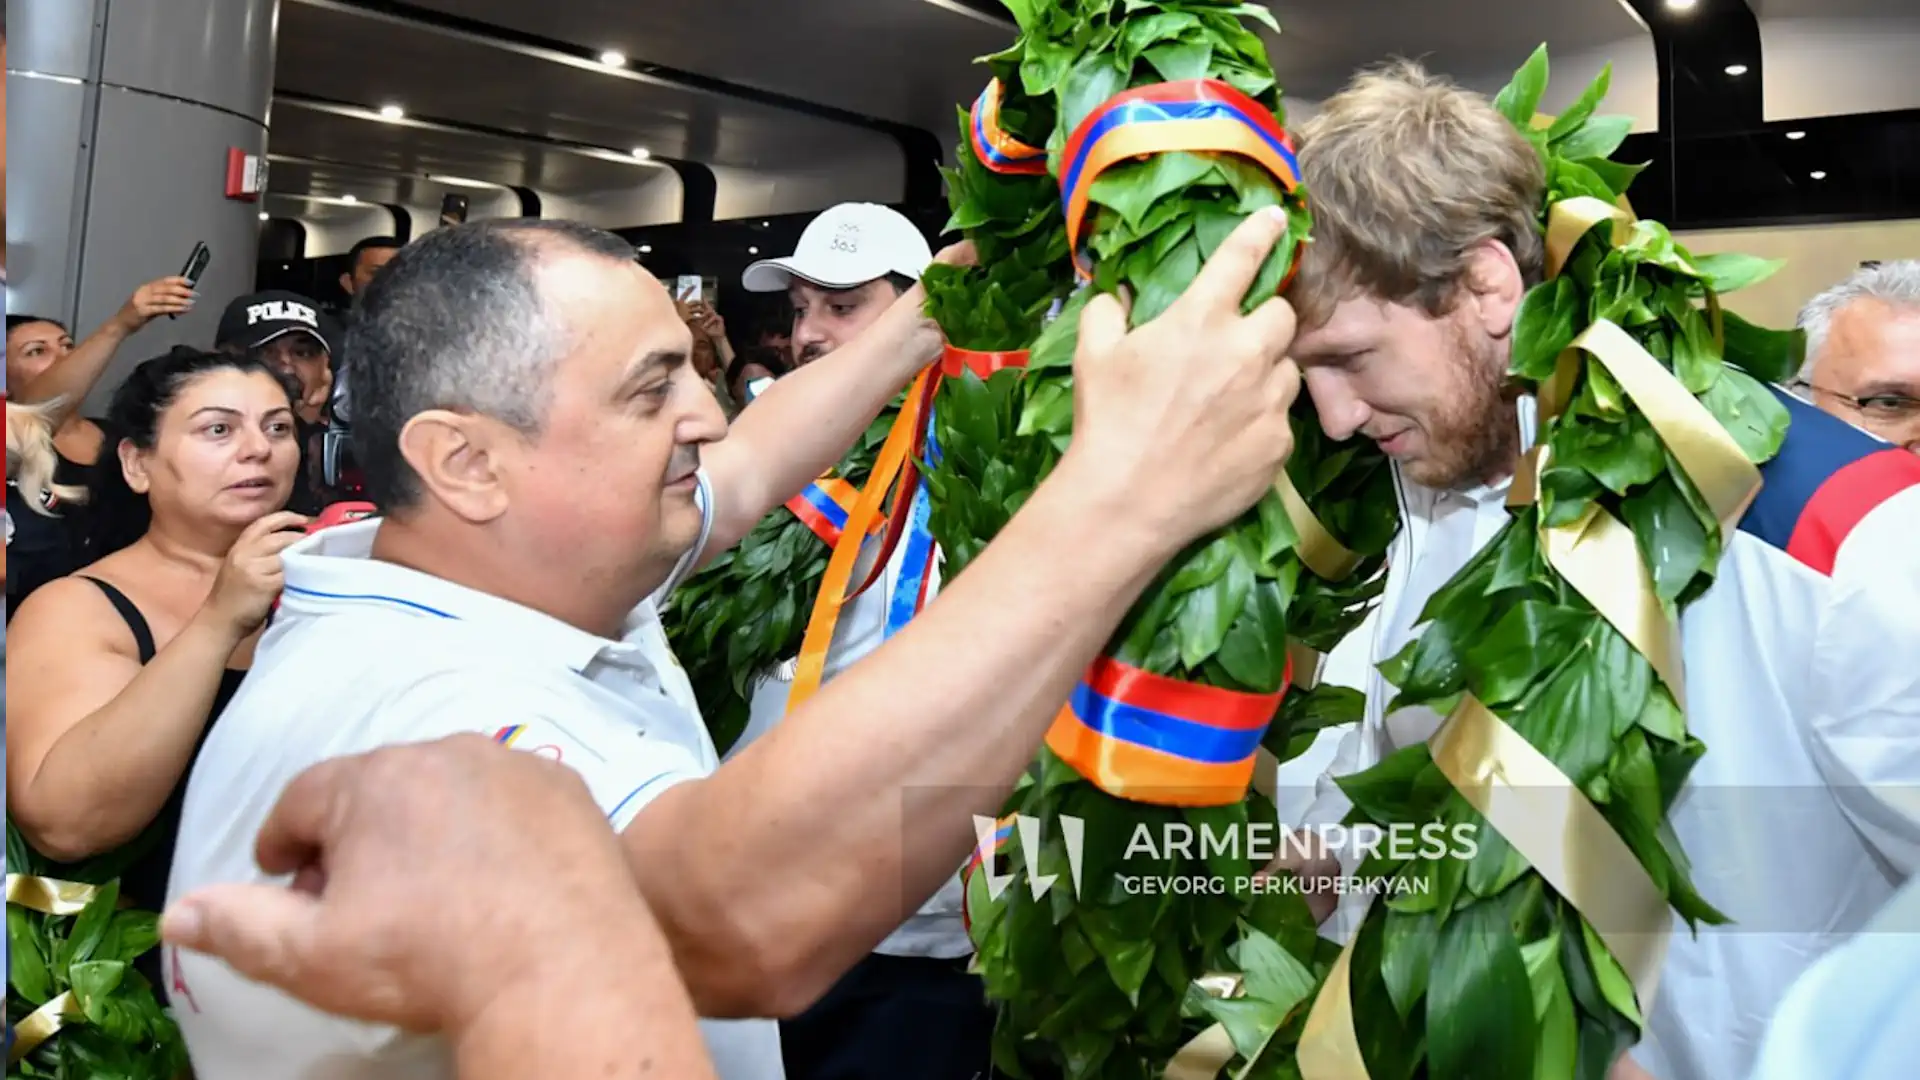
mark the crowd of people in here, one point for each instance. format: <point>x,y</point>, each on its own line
<point>301,714</point>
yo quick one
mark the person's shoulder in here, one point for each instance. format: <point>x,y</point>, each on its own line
<point>72,611</point>
<point>1828,479</point>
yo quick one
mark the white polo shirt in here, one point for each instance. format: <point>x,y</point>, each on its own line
<point>365,654</point>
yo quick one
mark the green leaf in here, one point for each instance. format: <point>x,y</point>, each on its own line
<point>1597,138</point>
<point>1094,79</point>
<point>95,979</point>
<point>1252,652</point>
<point>1696,357</point>
<point>1614,984</point>
<point>27,946</point>
<point>1617,176</point>
<point>1272,974</point>
<point>1523,646</point>
<point>1750,412</point>
<point>1544,327</point>
<point>1169,278</point>
<point>1520,99</point>
<point>1729,273</point>
<point>1768,355</point>
<point>1542,958</point>
<point>1624,460</point>
<point>1480,1018</point>
<point>1249,1021</point>
<point>1407,957</point>
<point>1257,12</point>
<point>88,928</point>
<point>1128,965</point>
<point>1662,718</point>
<point>1672,541</point>
<point>1205,616</point>
<point>1582,108</point>
<point>1176,60</point>
<point>1559,1048</point>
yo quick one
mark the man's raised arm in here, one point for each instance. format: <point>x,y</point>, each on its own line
<point>774,875</point>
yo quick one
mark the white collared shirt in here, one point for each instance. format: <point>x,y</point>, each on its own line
<point>365,654</point>
<point>1802,678</point>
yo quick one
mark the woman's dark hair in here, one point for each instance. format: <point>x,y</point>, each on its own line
<point>22,320</point>
<point>117,515</point>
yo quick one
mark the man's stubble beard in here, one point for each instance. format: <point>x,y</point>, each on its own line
<point>1474,437</point>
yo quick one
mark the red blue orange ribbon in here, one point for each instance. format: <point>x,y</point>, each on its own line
<point>955,361</point>
<point>1002,833</point>
<point>1155,739</point>
<point>997,150</point>
<point>1204,115</point>
<point>823,507</point>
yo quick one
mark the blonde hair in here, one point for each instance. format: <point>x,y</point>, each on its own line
<point>31,457</point>
<point>1407,173</point>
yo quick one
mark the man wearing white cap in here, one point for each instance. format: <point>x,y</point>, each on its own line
<point>911,1008</point>
<point>853,260</point>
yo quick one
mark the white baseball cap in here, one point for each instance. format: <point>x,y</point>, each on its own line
<point>845,247</point>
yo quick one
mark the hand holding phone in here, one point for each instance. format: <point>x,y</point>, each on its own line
<point>196,266</point>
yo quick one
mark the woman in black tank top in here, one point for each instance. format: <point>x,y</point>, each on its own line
<point>44,366</point>
<point>116,674</point>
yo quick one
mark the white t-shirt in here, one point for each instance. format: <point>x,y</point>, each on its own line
<point>936,929</point>
<point>364,654</point>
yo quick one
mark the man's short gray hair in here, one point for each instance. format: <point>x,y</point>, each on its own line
<point>1896,282</point>
<point>457,321</point>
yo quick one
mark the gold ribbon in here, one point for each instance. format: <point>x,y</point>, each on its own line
<point>1329,559</point>
<point>1571,219</point>
<point>1306,664</point>
<point>42,1024</point>
<point>1598,556</point>
<point>1207,1053</point>
<point>1526,797</point>
<point>48,895</point>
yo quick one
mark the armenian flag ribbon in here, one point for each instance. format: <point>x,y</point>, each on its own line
<point>823,507</point>
<point>997,150</point>
<point>1155,739</point>
<point>1192,114</point>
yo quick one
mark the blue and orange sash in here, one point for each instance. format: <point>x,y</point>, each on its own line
<point>997,150</point>
<point>1154,739</point>
<point>1193,114</point>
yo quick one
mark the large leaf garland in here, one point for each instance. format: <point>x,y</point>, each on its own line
<point>1111,983</point>
<point>77,1005</point>
<point>1554,656</point>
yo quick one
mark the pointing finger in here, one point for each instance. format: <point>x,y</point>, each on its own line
<point>1230,272</point>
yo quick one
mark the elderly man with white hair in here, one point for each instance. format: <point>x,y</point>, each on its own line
<point>1863,351</point>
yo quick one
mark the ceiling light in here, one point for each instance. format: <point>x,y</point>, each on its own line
<point>642,153</point>
<point>1796,136</point>
<point>392,112</point>
<point>766,224</point>
<point>1818,174</point>
<point>646,249</point>
<point>349,199</point>
<point>1736,70</point>
<point>461,181</point>
<point>264,215</point>
<point>614,58</point>
<point>753,251</point>
<point>1682,5</point>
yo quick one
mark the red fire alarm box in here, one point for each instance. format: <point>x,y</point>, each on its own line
<point>246,174</point>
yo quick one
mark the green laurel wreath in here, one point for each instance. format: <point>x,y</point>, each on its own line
<point>1103,984</point>
<point>1486,971</point>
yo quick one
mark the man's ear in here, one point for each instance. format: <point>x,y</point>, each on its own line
<point>133,465</point>
<point>1494,287</point>
<point>346,283</point>
<point>458,458</point>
